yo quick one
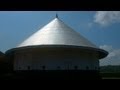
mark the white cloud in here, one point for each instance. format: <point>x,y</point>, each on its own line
<point>107,48</point>
<point>105,18</point>
<point>113,58</point>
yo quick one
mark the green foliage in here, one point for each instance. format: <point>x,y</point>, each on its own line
<point>110,69</point>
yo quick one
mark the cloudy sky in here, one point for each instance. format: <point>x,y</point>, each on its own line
<point>100,27</point>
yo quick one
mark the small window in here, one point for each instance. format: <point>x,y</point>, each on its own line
<point>95,68</point>
<point>19,67</point>
<point>98,68</point>
<point>43,67</point>
<point>58,67</point>
<point>28,67</point>
<point>87,68</point>
<point>75,67</point>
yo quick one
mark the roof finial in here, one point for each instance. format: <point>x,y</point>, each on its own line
<point>56,15</point>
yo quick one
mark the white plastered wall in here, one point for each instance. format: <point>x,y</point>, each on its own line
<point>36,61</point>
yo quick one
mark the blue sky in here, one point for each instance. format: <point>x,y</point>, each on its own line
<point>100,27</point>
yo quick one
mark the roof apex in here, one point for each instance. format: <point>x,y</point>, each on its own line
<point>56,33</point>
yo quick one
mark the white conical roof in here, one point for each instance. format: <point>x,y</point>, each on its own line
<point>56,33</point>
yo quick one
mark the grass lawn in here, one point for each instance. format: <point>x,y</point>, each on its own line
<point>110,75</point>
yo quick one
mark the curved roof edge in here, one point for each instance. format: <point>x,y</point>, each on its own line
<point>1,53</point>
<point>102,53</point>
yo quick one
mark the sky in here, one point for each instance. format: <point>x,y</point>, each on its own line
<point>100,27</point>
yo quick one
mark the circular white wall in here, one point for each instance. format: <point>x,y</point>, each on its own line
<point>55,60</point>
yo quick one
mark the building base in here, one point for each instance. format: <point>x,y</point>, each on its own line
<point>55,75</point>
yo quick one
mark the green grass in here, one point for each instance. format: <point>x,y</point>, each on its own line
<point>110,75</point>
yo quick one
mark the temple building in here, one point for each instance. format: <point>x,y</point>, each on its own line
<point>56,46</point>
